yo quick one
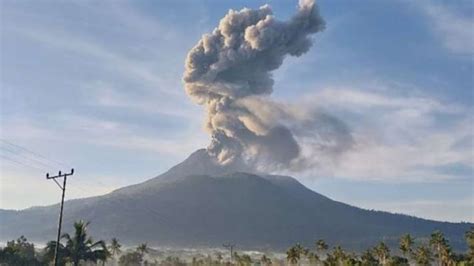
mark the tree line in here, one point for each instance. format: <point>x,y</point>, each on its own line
<point>435,251</point>
<point>81,249</point>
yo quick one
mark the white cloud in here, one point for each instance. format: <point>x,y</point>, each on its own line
<point>454,29</point>
<point>397,138</point>
<point>367,99</point>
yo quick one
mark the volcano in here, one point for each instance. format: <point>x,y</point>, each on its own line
<point>199,203</point>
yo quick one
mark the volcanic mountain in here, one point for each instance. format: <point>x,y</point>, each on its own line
<point>199,203</point>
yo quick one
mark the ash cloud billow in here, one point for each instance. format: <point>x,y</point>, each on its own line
<point>229,71</point>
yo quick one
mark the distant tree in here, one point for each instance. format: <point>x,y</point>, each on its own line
<point>406,245</point>
<point>265,261</point>
<point>339,254</point>
<point>330,260</point>
<point>115,247</point>
<point>423,255</point>
<point>293,255</point>
<point>368,259</point>
<point>131,259</point>
<point>242,260</point>
<point>246,260</point>
<point>470,243</point>
<point>219,257</point>
<point>143,249</point>
<point>302,251</point>
<point>236,257</point>
<point>321,246</point>
<point>382,252</point>
<point>19,252</point>
<point>313,258</point>
<point>351,259</point>
<point>460,259</point>
<point>441,247</point>
<point>80,247</point>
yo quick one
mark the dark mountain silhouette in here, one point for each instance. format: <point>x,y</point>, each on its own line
<point>201,203</point>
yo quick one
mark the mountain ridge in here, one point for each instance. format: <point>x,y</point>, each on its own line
<point>201,203</point>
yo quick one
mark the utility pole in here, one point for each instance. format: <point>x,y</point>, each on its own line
<point>231,249</point>
<point>63,188</point>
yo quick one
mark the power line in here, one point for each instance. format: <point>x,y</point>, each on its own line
<point>46,162</point>
<point>16,146</point>
<point>20,163</point>
<point>23,156</point>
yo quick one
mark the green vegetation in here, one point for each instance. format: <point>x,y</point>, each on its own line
<point>115,247</point>
<point>19,252</point>
<point>435,251</point>
<point>406,244</point>
<point>80,249</point>
<point>143,249</point>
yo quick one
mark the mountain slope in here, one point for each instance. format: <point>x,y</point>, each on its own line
<point>200,203</point>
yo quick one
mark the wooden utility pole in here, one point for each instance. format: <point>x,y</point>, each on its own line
<point>231,249</point>
<point>63,188</point>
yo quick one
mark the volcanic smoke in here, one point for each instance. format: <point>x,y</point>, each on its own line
<point>229,71</point>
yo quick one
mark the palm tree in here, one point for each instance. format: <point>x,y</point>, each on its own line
<point>446,256</point>
<point>339,254</point>
<point>293,255</point>
<point>440,244</point>
<point>367,258</point>
<point>406,243</point>
<point>80,247</point>
<point>351,259</point>
<point>321,245</point>
<point>321,248</point>
<point>382,252</point>
<point>470,243</point>
<point>423,256</point>
<point>301,250</point>
<point>115,247</point>
<point>49,252</point>
<point>143,248</point>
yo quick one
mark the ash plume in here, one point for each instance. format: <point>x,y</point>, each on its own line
<point>229,71</point>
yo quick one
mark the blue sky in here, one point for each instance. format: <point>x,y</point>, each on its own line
<point>97,85</point>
